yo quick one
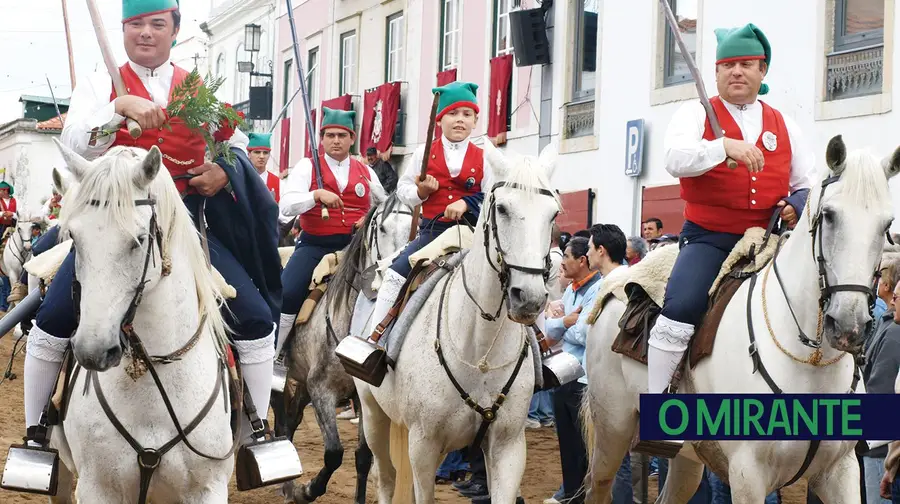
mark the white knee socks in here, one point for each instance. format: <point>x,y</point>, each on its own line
<point>387,296</point>
<point>667,343</point>
<point>284,328</point>
<point>257,362</point>
<point>43,359</point>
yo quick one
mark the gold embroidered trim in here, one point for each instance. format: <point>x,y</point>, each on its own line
<point>182,163</point>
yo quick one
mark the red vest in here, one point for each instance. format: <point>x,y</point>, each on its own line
<point>274,185</point>
<point>340,222</point>
<point>452,189</point>
<point>182,149</point>
<point>7,221</point>
<point>731,201</point>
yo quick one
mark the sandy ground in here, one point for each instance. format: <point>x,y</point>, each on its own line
<point>542,471</point>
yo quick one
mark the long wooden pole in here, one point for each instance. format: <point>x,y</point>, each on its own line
<point>424,168</point>
<point>69,44</point>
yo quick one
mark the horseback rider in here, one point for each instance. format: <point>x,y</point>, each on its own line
<point>7,206</point>
<point>348,185</point>
<point>452,187</point>
<point>258,150</point>
<point>722,203</point>
<point>241,222</point>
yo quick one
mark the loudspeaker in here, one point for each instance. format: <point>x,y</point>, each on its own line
<point>260,102</point>
<point>528,31</point>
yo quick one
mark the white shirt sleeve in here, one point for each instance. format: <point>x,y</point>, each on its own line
<point>487,178</point>
<point>687,154</point>
<point>91,109</point>
<point>296,197</point>
<point>803,160</point>
<point>407,191</point>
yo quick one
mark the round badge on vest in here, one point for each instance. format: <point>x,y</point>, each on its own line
<point>770,142</point>
<point>360,189</point>
<point>470,182</point>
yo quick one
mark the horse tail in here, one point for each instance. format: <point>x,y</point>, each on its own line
<point>403,486</point>
<point>587,425</point>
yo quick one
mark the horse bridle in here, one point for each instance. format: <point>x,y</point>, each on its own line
<point>373,237</point>
<point>503,268</point>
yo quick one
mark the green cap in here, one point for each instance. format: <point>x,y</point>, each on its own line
<point>7,185</point>
<point>746,42</point>
<point>133,9</point>
<point>259,141</point>
<point>338,119</point>
<point>455,95</point>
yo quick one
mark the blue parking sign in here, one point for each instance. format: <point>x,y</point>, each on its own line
<point>634,147</point>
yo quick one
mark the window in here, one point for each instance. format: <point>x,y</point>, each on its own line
<point>676,69</point>
<point>502,38</point>
<point>855,67</point>
<point>394,49</point>
<point>220,65</point>
<point>585,78</point>
<point>312,61</point>
<point>450,33</point>
<point>288,69</point>
<point>347,82</point>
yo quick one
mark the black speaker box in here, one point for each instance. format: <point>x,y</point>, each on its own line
<point>528,31</point>
<point>260,102</point>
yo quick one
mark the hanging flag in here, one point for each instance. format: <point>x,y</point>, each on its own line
<point>314,116</point>
<point>498,104</point>
<point>340,103</point>
<point>380,117</point>
<point>285,139</point>
<point>443,78</point>
<point>368,119</point>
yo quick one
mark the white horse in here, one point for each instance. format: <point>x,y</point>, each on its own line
<point>418,396</point>
<point>17,252</point>
<point>849,212</point>
<point>130,228</point>
<point>314,372</point>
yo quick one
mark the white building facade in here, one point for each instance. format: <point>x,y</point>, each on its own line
<point>611,62</point>
<point>27,158</point>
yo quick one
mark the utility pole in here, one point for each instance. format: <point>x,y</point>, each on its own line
<point>69,45</point>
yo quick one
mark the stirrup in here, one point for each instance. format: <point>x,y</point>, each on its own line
<point>266,460</point>
<point>279,376</point>
<point>32,469</point>
<point>559,369</point>
<point>363,359</point>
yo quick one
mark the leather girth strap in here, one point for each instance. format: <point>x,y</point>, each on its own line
<point>406,291</point>
<point>149,458</point>
<point>488,415</point>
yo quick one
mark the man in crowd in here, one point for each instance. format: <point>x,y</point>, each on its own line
<point>386,173</point>
<point>651,228</point>
<point>258,150</point>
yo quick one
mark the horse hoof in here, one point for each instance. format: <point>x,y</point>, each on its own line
<point>301,495</point>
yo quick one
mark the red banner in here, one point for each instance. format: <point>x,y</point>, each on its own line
<point>381,106</point>
<point>498,104</point>
<point>443,78</point>
<point>285,161</point>
<point>313,115</point>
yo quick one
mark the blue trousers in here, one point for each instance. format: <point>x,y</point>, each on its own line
<point>453,462</point>
<point>309,250</point>
<point>701,256</point>
<point>46,242</point>
<point>248,314</point>
<point>428,231</point>
<point>721,493</point>
<point>541,406</point>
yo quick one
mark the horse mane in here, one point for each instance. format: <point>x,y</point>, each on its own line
<point>526,171</point>
<point>863,181</point>
<point>111,179</point>
<point>354,259</point>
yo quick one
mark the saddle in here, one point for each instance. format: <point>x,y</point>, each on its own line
<point>322,274</point>
<point>642,288</point>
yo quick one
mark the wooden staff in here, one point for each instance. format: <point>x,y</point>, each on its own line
<point>134,129</point>
<point>424,171</point>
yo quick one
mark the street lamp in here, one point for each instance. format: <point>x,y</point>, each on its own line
<point>252,35</point>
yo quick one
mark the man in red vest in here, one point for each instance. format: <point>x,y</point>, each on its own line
<point>241,222</point>
<point>7,206</point>
<point>347,192</point>
<point>775,167</point>
<point>258,150</point>
<point>452,189</point>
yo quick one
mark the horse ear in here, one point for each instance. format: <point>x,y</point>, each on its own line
<point>548,159</point>
<point>76,164</point>
<point>494,157</point>
<point>836,154</point>
<point>892,164</point>
<point>59,182</point>
<point>148,168</point>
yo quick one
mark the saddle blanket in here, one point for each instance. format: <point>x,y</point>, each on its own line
<point>393,339</point>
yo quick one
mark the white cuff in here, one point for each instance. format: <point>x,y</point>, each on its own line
<point>258,350</point>
<point>670,335</point>
<point>45,347</point>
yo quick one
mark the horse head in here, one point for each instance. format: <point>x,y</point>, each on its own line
<point>520,205</point>
<point>125,218</point>
<point>850,214</point>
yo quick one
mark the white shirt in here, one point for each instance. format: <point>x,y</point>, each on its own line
<point>90,107</point>
<point>454,154</point>
<point>689,155</point>
<point>296,194</point>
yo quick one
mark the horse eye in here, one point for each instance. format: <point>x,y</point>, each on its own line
<point>140,242</point>
<point>381,229</point>
<point>828,214</point>
<point>502,209</point>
